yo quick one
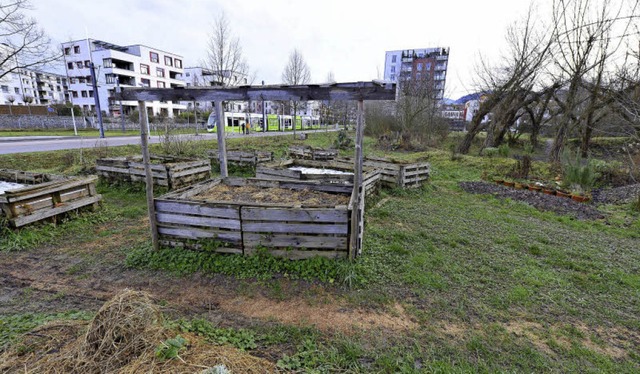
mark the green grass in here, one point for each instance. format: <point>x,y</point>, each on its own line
<point>493,285</point>
<point>12,326</point>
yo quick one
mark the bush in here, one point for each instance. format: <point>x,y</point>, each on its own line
<point>579,174</point>
<point>490,152</point>
<point>503,150</point>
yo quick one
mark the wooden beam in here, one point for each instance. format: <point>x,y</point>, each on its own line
<point>142,109</point>
<point>356,216</point>
<point>222,147</point>
<point>338,91</point>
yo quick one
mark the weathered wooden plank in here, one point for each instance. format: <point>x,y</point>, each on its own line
<point>46,213</point>
<point>294,214</point>
<point>223,223</point>
<point>195,170</point>
<point>199,209</point>
<point>299,254</point>
<point>26,194</point>
<point>306,228</point>
<point>252,240</point>
<point>177,243</point>
<point>194,233</point>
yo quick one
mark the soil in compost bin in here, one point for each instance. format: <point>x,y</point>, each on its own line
<point>6,186</point>
<point>273,195</point>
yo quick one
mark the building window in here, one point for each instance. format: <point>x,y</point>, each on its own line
<point>144,69</point>
<point>393,58</point>
<point>168,61</point>
<point>88,78</point>
<point>67,51</point>
<point>72,80</point>
<point>70,65</point>
<point>153,56</point>
<point>107,63</point>
<point>110,78</point>
<point>5,88</point>
<point>145,82</point>
<point>160,72</point>
<point>76,49</point>
<point>419,66</point>
<point>418,75</point>
<point>393,76</point>
<point>393,69</point>
<point>428,66</point>
<point>82,80</point>
<point>178,63</point>
<point>161,84</point>
<point>90,93</point>
<point>188,74</point>
<point>87,64</point>
<point>74,93</point>
<point>84,94</point>
<point>79,64</point>
<point>16,90</point>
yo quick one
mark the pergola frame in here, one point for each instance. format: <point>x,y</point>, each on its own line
<point>356,91</point>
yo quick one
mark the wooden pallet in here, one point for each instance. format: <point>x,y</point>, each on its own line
<point>170,172</point>
<point>396,173</point>
<point>51,198</point>
<point>310,153</point>
<point>251,158</point>
<point>289,230</point>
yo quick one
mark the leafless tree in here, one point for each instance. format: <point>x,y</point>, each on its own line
<point>11,99</point>
<point>507,85</point>
<point>295,73</point>
<point>586,35</point>
<point>224,53</point>
<point>24,44</point>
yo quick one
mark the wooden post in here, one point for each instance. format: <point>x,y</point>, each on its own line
<point>222,148</point>
<point>147,173</point>
<point>356,214</point>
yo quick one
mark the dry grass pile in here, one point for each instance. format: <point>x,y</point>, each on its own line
<point>272,195</point>
<point>122,338</point>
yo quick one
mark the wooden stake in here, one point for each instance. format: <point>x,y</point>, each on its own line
<point>222,148</point>
<point>147,173</point>
<point>357,214</point>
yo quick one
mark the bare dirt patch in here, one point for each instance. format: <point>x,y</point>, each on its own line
<point>274,195</point>
<point>559,205</point>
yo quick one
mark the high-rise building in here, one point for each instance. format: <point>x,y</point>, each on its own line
<point>428,64</point>
<point>129,66</point>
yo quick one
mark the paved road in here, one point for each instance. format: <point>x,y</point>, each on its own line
<point>26,144</point>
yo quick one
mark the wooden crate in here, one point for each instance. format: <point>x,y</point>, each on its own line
<point>289,230</point>
<point>251,158</point>
<point>397,173</point>
<point>280,170</point>
<point>167,171</point>
<point>310,153</point>
<point>46,196</point>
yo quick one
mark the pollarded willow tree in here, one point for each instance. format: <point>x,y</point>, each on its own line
<point>296,72</point>
<point>23,43</point>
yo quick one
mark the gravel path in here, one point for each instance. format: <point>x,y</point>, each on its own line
<point>618,195</point>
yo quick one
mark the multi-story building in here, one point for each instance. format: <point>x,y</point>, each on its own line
<point>129,66</point>
<point>204,77</point>
<point>426,64</point>
<point>20,86</point>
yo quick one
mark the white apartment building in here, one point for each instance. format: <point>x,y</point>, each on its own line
<point>37,87</point>
<point>132,66</point>
<point>429,63</point>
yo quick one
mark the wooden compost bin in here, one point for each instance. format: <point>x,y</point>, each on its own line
<point>281,170</point>
<point>167,171</point>
<point>310,153</point>
<point>396,173</point>
<point>251,158</point>
<point>45,196</point>
<point>291,230</point>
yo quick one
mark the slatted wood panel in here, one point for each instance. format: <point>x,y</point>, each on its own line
<point>280,170</point>
<point>310,153</point>
<point>291,231</point>
<point>251,158</point>
<point>170,172</point>
<point>395,173</point>
<point>46,200</point>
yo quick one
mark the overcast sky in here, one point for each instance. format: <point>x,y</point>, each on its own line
<point>346,37</point>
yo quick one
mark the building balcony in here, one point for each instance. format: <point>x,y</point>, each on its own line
<point>442,57</point>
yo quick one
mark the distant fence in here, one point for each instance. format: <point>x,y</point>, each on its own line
<point>54,121</point>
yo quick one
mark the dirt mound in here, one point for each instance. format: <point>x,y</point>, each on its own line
<point>274,195</point>
<point>123,337</point>
<point>618,195</point>
<point>540,201</point>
